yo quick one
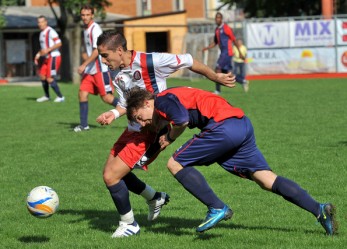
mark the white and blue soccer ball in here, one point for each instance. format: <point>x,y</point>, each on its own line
<point>42,202</point>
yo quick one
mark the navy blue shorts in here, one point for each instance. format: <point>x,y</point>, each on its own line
<point>230,143</point>
<point>224,63</point>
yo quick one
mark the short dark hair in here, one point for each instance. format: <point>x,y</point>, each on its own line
<point>112,39</point>
<point>87,7</point>
<point>219,14</point>
<point>42,16</point>
<point>135,99</point>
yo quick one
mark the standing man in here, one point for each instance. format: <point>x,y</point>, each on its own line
<point>239,60</point>
<point>50,44</point>
<point>96,77</point>
<point>134,149</point>
<point>226,137</point>
<point>225,38</point>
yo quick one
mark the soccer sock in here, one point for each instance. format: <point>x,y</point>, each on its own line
<point>120,196</point>
<point>115,101</point>
<point>292,192</point>
<point>193,181</point>
<point>217,87</point>
<point>84,113</point>
<point>45,88</point>
<point>56,89</point>
<point>133,183</point>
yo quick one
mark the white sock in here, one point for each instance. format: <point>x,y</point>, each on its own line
<point>148,193</point>
<point>128,217</point>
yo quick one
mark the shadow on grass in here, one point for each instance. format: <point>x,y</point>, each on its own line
<point>107,221</point>
<point>31,99</point>
<point>71,126</point>
<point>342,143</point>
<point>33,239</point>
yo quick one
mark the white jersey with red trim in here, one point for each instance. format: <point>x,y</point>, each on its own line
<point>91,35</point>
<point>48,38</point>
<point>149,71</point>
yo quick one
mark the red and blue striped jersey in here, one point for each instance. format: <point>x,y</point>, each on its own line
<point>224,37</point>
<point>180,105</point>
<point>91,34</point>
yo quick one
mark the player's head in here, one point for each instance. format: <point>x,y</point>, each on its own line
<point>219,18</point>
<point>87,14</point>
<point>42,22</point>
<point>239,42</point>
<point>112,47</point>
<point>140,106</point>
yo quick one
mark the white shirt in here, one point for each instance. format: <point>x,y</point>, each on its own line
<point>48,38</point>
<point>149,71</point>
<point>91,35</point>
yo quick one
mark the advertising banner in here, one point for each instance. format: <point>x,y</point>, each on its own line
<point>341,27</point>
<point>291,61</point>
<point>312,33</point>
<point>342,59</point>
<point>268,35</point>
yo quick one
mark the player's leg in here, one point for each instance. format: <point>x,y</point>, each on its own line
<point>43,77</point>
<point>128,151</point>
<point>86,88</point>
<point>54,65</point>
<point>292,192</point>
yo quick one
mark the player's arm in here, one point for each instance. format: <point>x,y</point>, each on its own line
<point>211,45</point>
<point>57,44</point>
<point>107,118</point>
<point>227,80</point>
<point>88,60</point>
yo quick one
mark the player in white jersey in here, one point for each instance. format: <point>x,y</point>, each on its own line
<point>133,148</point>
<point>51,59</point>
<point>96,77</point>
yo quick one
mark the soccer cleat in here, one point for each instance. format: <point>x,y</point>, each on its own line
<point>213,217</point>
<point>80,128</point>
<point>43,99</point>
<point>154,206</point>
<point>327,218</point>
<point>217,92</point>
<point>58,99</point>
<point>126,230</point>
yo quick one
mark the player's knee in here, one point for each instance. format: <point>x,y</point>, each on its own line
<point>173,166</point>
<point>110,178</point>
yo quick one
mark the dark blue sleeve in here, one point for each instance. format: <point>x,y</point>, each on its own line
<point>170,106</point>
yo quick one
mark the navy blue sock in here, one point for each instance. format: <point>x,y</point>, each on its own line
<point>292,192</point>
<point>193,181</point>
<point>133,183</point>
<point>120,196</point>
<point>45,87</point>
<point>217,87</point>
<point>56,89</point>
<point>115,101</point>
<point>84,113</point>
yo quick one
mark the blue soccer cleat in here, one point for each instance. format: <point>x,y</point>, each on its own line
<point>327,218</point>
<point>213,217</point>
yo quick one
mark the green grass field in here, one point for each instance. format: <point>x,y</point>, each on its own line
<point>301,128</point>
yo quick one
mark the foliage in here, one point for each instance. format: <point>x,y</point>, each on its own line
<point>275,8</point>
<point>3,5</point>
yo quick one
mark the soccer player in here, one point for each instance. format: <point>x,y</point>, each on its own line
<point>226,138</point>
<point>239,60</point>
<point>96,77</point>
<point>48,69</point>
<point>224,37</point>
<point>132,149</point>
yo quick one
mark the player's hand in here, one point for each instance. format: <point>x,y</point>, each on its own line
<point>226,79</point>
<point>81,69</point>
<point>163,142</point>
<point>105,118</point>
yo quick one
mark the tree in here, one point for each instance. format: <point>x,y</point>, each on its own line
<point>3,5</point>
<point>70,17</point>
<point>275,8</point>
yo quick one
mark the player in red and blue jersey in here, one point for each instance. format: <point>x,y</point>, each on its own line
<point>96,78</point>
<point>133,149</point>
<point>48,69</point>
<point>224,37</point>
<point>226,138</point>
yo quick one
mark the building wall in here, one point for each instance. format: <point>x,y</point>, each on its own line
<point>160,6</point>
<point>195,8</point>
<point>127,7</point>
<point>136,36</point>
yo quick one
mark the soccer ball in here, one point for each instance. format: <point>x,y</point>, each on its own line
<point>42,202</point>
